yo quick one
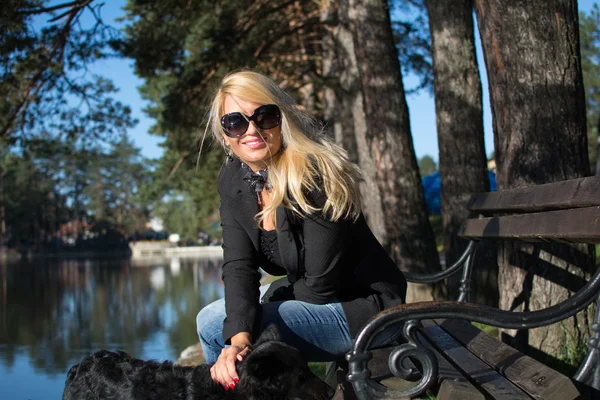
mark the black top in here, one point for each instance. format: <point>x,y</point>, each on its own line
<point>323,261</point>
<point>269,248</point>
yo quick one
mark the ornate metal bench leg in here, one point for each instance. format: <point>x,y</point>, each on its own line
<point>589,371</point>
<point>367,389</point>
<point>465,283</point>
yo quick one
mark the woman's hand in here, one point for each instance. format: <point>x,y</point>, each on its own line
<point>223,371</point>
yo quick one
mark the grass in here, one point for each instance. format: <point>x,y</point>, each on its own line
<point>318,368</point>
<point>438,231</point>
<point>490,330</point>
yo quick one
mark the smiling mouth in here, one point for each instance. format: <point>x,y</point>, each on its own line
<point>255,142</point>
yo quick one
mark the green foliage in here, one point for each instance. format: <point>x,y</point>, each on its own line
<point>411,33</point>
<point>175,214</point>
<point>50,184</point>
<point>589,33</point>
<point>45,84</point>
<point>427,166</point>
<point>114,191</point>
<point>490,330</point>
<point>64,154</point>
<point>318,368</point>
<point>572,351</point>
<point>438,230</point>
<point>32,204</point>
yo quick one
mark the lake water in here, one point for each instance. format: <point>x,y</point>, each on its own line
<point>54,312</point>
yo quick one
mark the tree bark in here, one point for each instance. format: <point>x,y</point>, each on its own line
<point>345,107</point>
<point>459,118</point>
<point>410,239</point>
<point>533,62</point>
<point>597,169</point>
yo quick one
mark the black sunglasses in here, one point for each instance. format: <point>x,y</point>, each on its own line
<point>235,124</point>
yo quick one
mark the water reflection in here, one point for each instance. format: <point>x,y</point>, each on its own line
<point>52,312</point>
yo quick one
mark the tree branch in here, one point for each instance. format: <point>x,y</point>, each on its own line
<point>43,10</point>
<point>55,55</point>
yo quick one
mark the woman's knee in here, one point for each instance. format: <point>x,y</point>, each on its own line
<point>210,319</point>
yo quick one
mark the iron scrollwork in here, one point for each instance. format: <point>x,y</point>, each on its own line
<point>358,357</point>
<point>400,365</point>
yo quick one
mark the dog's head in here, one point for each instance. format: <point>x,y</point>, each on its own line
<point>275,370</point>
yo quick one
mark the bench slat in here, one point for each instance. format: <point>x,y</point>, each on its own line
<point>481,374</point>
<point>454,385</point>
<point>577,225</point>
<point>538,380</point>
<point>574,193</point>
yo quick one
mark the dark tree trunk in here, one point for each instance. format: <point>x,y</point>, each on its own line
<point>410,239</point>
<point>345,108</point>
<point>533,62</point>
<point>2,213</point>
<point>459,117</point>
<point>597,169</point>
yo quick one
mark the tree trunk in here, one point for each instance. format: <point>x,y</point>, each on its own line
<point>459,117</point>
<point>2,213</point>
<point>410,239</point>
<point>345,108</point>
<point>533,62</point>
<point>597,169</point>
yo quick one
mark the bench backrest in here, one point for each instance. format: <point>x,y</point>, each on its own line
<point>562,211</point>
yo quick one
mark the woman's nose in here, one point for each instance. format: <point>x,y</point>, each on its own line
<point>252,129</point>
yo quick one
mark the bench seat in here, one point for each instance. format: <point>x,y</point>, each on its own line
<point>442,353</point>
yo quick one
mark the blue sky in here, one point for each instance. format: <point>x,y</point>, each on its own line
<point>421,105</point>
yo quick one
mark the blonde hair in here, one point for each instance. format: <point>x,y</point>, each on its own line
<point>307,154</point>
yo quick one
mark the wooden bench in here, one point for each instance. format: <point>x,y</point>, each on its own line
<point>441,352</point>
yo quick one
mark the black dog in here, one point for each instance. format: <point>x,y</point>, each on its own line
<point>272,371</point>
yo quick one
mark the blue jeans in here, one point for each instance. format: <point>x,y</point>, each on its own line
<point>320,332</point>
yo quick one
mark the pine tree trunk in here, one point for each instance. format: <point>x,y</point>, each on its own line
<point>459,117</point>
<point>410,239</point>
<point>597,169</point>
<point>345,108</point>
<point>532,57</point>
<point>2,213</point>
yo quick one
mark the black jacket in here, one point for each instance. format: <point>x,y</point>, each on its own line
<point>324,261</point>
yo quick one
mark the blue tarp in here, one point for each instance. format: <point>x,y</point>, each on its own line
<point>431,186</point>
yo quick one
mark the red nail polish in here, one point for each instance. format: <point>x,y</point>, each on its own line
<point>236,380</point>
<point>231,385</point>
<point>225,387</point>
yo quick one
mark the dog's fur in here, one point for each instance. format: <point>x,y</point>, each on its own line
<point>273,370</point>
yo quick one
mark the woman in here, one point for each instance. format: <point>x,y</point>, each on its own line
<point>290,204</point>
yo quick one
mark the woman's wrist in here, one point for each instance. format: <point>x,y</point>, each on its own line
<point>243,347</point>
<point>242,341</point>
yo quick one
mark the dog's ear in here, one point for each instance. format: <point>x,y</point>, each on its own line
<point>270,334</point>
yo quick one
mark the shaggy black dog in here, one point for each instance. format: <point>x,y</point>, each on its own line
<point>272,371</point>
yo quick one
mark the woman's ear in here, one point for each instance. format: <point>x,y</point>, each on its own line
<point>227,148</point>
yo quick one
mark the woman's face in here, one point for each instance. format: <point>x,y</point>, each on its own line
<point>255,147</point>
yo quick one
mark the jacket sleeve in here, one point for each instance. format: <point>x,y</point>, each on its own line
<point>240,276</point>
<point>325,250</point>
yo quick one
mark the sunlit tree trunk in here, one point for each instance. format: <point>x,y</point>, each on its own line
<point>533,62</point>
<point>410,239</point>
<point>345,107</point>
<point>459,117</point>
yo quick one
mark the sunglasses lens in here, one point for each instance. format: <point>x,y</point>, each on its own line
<point>234,124</point>
<point>267,117</point>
